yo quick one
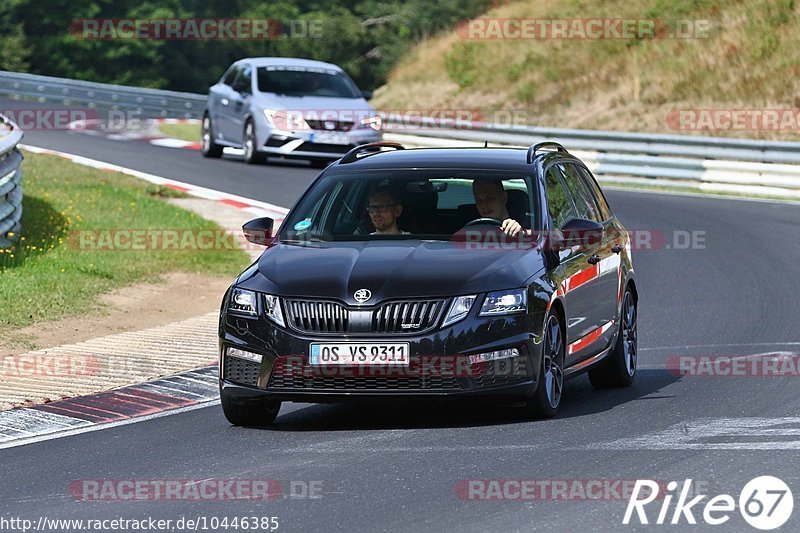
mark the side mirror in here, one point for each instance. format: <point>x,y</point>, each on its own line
<point>259,230</point>
<point>367,95</point>
<point>581,232</point>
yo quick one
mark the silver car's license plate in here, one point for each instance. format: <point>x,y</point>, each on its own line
<point>329,138</point>
<point>359,353</point>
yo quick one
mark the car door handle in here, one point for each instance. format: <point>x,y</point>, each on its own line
<point>617,248</point>
<point>594,259</point>
<point>224,101</point>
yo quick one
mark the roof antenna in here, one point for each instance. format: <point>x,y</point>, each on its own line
<point>486,144</point>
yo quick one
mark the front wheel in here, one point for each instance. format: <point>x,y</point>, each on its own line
<point>208,147</point>
<point>619,368</point>
<point>251,154</point>
<point>545,401</point>
<point>249,411</point>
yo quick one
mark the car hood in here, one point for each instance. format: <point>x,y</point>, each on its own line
<point>315,106</point>
<point>396,269</point>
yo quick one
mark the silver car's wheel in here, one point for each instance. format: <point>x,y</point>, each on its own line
<point>251,154</point>
<point>208,147</point>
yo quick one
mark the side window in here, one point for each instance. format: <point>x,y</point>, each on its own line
<point>605,211</point>
<point>246,79</point>
<point>230,76</point>
<point>585,205</point>
<point>559,204</point>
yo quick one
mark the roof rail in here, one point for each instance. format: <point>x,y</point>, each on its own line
<point>368,149</point>
<point>547,144</point>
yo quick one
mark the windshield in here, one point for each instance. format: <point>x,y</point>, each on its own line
<point>306,81</point>
<point>406,205</point>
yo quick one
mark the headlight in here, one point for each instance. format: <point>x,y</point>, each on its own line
<point>373,122</point>
<point>459,309</point>
<point>272,305</point>
<point>505,302</point>
<point>243,302</point>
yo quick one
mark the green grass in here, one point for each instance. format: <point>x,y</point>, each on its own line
<point>185,131</point>
<point>748,59</point>
<point>48,275</point>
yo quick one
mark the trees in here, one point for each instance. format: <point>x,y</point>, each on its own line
<point>365,37</point>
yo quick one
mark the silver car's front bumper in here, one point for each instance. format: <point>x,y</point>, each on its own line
<point>315,144</point>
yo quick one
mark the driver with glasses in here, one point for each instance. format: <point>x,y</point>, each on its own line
<point>384,210</point>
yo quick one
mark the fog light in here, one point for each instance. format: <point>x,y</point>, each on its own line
<point>493,356</point>
<point>243,354</point>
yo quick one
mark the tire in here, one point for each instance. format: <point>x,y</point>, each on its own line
<point>249,411</point>
<point>251,154</point>
<point>619,368</point>
<point>209,148</point>
<point>545,401</point>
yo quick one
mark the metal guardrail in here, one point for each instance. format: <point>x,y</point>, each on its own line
<point>10,182</point>
<point>145,102</point>
<point>644,156</point>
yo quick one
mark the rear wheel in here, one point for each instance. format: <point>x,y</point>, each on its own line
<point>251,154</point>
<point>209,147</point>
<point>545,401</point>
<point>243,411</point>
<point>619,368</point>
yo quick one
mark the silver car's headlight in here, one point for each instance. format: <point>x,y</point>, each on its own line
<point>459,309</point>
<point>272,308</point>
<point>243,302</point>
<point>505,302</point>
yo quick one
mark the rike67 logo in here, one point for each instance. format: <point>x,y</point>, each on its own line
<point>765,503</point>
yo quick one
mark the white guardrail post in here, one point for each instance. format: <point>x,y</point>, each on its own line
<point>10,182</point>
<point>711,163</point>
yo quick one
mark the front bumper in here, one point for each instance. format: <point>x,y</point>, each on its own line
<point>439,363</point>
<point>316,144</point>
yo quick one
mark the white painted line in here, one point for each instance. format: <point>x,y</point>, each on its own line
<point>36,424</point>
<point>98,427</point>
<point>195,190</point>
<point>717,434</point>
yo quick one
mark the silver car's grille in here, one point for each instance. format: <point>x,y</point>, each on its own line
<point>407,316</point>
<point>317,316</point>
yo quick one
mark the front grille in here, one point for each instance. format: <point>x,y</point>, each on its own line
<point>286,376</point>
<point>408,316</point>
<point>338,125</point>
<point>240,371</point>
<point>317,316</point>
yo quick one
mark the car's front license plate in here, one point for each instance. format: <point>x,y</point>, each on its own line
<point>359,353</point>
<point>329,138</point>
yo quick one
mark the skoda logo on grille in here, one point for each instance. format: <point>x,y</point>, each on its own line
<point>362,295</point>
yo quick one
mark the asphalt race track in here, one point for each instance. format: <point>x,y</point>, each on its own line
<point>403,468</point>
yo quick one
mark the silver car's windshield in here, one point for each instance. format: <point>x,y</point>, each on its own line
<point>306,81</point>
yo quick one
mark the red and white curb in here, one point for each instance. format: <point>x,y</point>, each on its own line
<point>181,392</point>
<point>254,207</point>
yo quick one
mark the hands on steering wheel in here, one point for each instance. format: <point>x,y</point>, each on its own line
<point>509,226</point>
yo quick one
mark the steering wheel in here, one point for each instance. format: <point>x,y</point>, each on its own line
<point>484,222</point>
